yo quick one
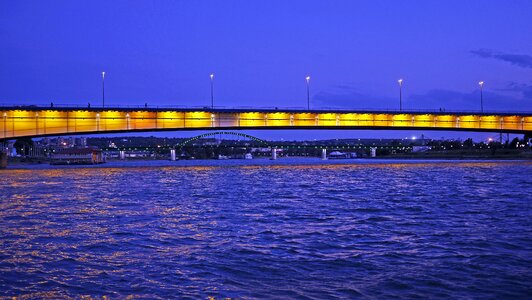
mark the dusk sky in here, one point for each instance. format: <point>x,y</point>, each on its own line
<point>162,52</point>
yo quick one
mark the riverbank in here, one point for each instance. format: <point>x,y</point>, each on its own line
<point>503,154</point>
<point>264,162</point>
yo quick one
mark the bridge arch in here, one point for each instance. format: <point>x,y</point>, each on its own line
<point>195,138</point>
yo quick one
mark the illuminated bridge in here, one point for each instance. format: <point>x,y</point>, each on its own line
<point>35,121</point>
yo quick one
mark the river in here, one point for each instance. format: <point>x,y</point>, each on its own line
<point>291,228</point>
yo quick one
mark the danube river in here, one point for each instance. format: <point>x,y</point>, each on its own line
<point>291,228</point>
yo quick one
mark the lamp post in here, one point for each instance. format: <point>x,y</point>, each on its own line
<point>212,91</point>
<point>308,92</point>
<point>103,89</point>
<point>400,81</point>
<point>481,84</point>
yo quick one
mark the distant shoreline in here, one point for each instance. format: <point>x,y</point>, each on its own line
<point>520,156</point>
<point>456,156</point>
<point>262,162</point>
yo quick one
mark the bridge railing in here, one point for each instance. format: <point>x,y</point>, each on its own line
<point>7,106</point>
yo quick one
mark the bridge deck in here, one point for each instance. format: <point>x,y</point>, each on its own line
<point>33,121</point>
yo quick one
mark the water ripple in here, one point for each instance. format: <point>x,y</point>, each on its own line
<point>299,230</point>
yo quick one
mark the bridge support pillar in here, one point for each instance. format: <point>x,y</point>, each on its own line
<point>324,154</point>
<point>3,159</point>
<point>122,154</point>
<point>172,154</point>
<point>274,153</point>
<point>373,152</point>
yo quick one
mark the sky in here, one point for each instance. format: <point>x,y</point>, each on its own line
<point>162,53</point>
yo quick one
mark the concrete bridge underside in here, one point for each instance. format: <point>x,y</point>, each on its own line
<point>33,121</point>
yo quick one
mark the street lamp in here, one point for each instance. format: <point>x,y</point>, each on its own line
<point>103,89</point>
<point>308,92</point>
<point>481,84</point>
<point>212,91</point>
<point>400,81</point>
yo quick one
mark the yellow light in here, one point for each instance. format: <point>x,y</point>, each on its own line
<point>37,122</point>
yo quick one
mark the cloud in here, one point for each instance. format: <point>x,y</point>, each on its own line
<point>520,60</point>
<point>523,88</point>
<point>455,100</point>
<point>345,96</point>
<point>514,97</point>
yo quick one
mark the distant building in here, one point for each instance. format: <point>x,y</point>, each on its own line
<point>261,150</point>
<point>80,142</point>
<point>37,150</point>
<point>139,153</point>
<point>77,156</point>
<point>207,142</point>
<point>338,155</point>
<point>11,150</point>
<point>60,142</point>
<point>421,148</point>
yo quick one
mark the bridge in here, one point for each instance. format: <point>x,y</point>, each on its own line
<point>247,142</point>
<point>254,142</point>
<point>214,134</point>
<point>38,121</point>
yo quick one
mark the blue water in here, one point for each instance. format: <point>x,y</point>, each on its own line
<point>292,228</point>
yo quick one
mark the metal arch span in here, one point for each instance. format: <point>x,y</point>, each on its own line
<point>221,132</point>
<point>33,121</point>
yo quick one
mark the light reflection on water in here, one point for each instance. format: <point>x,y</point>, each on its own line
<point>296,229</point>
